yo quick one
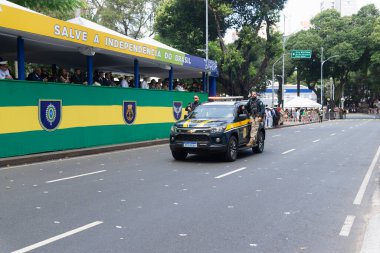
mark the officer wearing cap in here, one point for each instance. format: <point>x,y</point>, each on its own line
<point>4,72</point>
<point>256,111</point>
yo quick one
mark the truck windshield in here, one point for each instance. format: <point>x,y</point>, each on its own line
<point>213,111</point>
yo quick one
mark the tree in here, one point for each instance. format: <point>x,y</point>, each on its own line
<point>61,9</point>
<point>132,18</point>
<point>243,63</point>
<point>181,24</point>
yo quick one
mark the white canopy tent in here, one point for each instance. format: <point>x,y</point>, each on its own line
<point>302,103</point>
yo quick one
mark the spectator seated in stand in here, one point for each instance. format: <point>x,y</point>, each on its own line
<point>64,76</point>
<point>165,86</point>
<point>78,77</point>
<point>123,82</point>
<point>4,71</point>
<point>152,84</point>
<point>180,87</point>
<point>144,84</point>
<point>99,78</point>
<point>36,75</point>
<point>195,87</point>
<point>108,80</point>
<point>44,74</point>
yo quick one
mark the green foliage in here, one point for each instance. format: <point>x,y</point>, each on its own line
<point>133,18</point>
<point>182,25</point>
<point>243,64</point>
<point>355,39</point>
<point>375,41</point>
<point>61,9</point>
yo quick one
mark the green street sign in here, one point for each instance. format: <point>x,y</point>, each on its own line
<point>301,54</point>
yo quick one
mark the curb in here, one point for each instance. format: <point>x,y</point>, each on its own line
<point>19,160</point>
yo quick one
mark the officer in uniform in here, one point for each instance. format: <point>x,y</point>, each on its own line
<point>256,111</point>
<point>191,106</point>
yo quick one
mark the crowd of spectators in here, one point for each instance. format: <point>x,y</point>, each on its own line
<point>40,74</point>
<point>275,117</point>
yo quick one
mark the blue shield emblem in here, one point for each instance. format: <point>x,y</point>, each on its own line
<point>49,113</point>
<point>177,110</point>
<point>129,112</point>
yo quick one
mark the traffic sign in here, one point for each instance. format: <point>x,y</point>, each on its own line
<point>301,54</point>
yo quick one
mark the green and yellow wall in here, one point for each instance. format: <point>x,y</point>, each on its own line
<point>91,116</point>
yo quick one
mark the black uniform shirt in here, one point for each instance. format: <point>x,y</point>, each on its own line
<point>255,107</point>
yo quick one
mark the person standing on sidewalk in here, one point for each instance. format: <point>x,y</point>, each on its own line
<point>256,111</point>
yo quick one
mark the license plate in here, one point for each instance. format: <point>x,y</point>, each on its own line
<point>190,145</point>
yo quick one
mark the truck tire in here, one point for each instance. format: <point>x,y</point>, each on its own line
<point>179,155</point>
<point>232,149</point>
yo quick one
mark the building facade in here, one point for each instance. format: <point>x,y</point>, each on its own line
<point>344,7</point>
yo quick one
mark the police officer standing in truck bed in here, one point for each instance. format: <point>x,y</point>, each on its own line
<point>256,111</point>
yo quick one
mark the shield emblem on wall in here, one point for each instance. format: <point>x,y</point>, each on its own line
<point>129,112</point>
<point>49,113</point>
<point>177,110</point>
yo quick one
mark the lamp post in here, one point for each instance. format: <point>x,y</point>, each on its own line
<point>283,63</point>
<point>206,43</point>
<point>273,78</point>
<point>322,63</point>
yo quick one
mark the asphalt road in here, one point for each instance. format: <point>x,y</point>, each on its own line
<point>301,195</point>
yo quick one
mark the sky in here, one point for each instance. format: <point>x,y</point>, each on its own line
<point>298,11</point>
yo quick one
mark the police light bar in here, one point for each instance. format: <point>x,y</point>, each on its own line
<point>232,98</point>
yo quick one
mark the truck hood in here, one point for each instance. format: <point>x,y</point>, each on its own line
<point>195,123</point>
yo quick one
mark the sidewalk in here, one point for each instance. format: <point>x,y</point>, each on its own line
<point>371,241</point>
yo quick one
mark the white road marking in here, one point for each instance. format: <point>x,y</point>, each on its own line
<point>363,187</point>
<point>346,229</point>
<point>58,237</point>
<point>316,140</point>
<point>229,173</point>
<point>291,150</point>
<point>277,135</point>
<point>81,175</point>
<point>332,134</point>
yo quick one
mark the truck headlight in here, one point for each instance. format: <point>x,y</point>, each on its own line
<point>173,129</point>
<point>219,129</point>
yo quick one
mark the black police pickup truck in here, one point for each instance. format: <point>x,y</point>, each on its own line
<point>214,127</point>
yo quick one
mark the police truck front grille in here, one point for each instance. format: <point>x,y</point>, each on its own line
<point>194,130</point>
<point>192,137</point>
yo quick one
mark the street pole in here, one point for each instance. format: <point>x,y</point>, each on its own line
<point>283,64</point>
<point>323,62</point>
<point>207,67</point>
<point>322,76</point>
<point>273,79</point>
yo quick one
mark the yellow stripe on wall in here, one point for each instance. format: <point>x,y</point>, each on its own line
<point>19,119</point>
<point>25,118</point>
<point>84,116</point>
